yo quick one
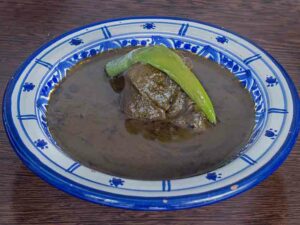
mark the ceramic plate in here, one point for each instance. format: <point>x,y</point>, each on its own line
<point>276,105</point>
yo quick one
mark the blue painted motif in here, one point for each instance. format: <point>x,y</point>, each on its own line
<point>124,43</point>
<point>187,46</point>
<point>166,185</point>
<point>107,45</point>
<point>28,87</point>
<point>271,133</point>
<point>143,43</point>
<point>213,176</point>
<point>178,44</point>
<point>251,59</point>
<point>271,81</point>
<point>75,56</point>
<point>210,53</point>
<point>194,49</point>
<point>73,167</point>
<point>183,29</point>
<point>41,104</point>
<point>149,26</point>
<point>247,159</point>
<point>106,32</point>
<point>222,39</point>
<point>159,40</point>
<point>84,54</point>
<point>93,52</point>
<point>76,41</point>
<point>27,117</point>
<point>277,110</point>
<point>134,42</point>
<point>41,144</point>
<point>43,63</point>
<point>116,182</point>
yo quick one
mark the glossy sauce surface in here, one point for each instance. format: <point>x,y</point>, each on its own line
<point>85,119</point>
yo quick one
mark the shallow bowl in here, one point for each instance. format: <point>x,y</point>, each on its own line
<point>276,113</point>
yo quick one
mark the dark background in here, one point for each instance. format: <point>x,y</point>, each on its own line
<point>26,25</point>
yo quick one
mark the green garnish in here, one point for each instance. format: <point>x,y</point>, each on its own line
<point>169,62</point>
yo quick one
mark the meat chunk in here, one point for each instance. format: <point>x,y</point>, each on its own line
<point>182,113</point>
<point>153,83</point>
<point>151,98</point>
<point>179,104</point>
<point>138,106</point>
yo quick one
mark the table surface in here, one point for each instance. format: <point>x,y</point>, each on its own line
<point>26,25</point>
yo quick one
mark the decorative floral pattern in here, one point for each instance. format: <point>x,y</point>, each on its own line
<point>116,182</point>
<point>222,39</point>
<point>76,41</point>
<point>28,87</point>
<point>41,144</point>
<point>271,133</point>
<point>213,176</point>
<point>149,26</point>
<point>271,81</point>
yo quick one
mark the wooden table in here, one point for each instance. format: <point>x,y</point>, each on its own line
<point>25,25</point>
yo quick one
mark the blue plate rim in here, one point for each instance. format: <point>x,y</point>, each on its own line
<point>146,203</point>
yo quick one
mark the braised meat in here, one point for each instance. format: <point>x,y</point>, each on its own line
<point>150,95</point>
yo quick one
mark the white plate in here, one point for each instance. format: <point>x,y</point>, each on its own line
<point>276,101</point>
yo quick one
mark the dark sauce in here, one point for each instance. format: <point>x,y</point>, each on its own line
<point>84,118</point>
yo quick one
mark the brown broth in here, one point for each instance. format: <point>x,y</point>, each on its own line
<point>84,118</point>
